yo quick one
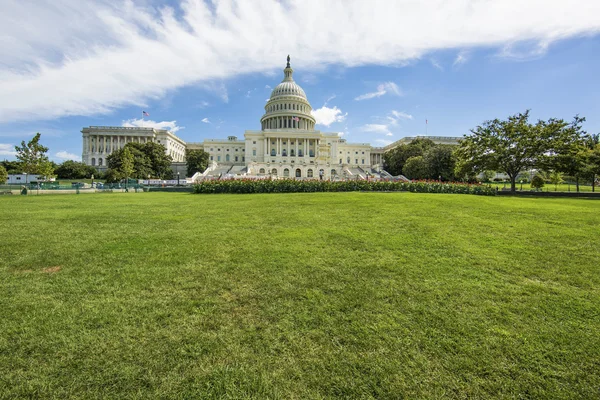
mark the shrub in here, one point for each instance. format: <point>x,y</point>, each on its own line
<point>298,186</point>
<point>537,182</point>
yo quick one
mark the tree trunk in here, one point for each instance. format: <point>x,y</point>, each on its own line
<point>577,183</point>
<point>593,183</point>
<point>513,184</point>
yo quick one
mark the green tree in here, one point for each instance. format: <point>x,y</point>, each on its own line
<point>510,146</point>
<point>570,152</point>
<point>395,159</point>
<point>127,163</point>
<point>70,169</point>
<point>556,178</point>
<point>33,158</point>
<point>197,161</point>
<point>537,182</point>
<point>488,175</point>
<point>415,168</point>
<point>12,167</point>
<point>440,162</point>
<point>3,174</point>
<point>594,165</point>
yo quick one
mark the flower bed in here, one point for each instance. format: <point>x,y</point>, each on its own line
<point>298,186</point>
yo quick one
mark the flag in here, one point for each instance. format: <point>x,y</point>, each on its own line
<point>145,114</point>
<point>296,119</point>
<point>425,122</point>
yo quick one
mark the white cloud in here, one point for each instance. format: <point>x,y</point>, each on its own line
<point>65,155</point>
<point>329,99</point>
<point>381,129</point>
<point>327,116</point>
<point>148,123</point>
<point>7,149</point>
<point>73,57</point>
<point>386,87</point>
<point>524,51</point>
<point>401,115</point>
<point>205,120</point>
<point>436,64</point>
<point>461,58</point>
<point>267,87</point>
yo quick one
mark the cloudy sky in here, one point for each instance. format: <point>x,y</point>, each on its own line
<point>373,70</point>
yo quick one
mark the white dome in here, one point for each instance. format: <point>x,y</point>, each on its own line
<point>288,88</point>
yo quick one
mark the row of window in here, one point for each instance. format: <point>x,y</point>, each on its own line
<point>356,152</point>
<point>297,173</point>
<point>279,107</point>
<point>355,161</point>
<point>227,158</point>
<point>211,149</point>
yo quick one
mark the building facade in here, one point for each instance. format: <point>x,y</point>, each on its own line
<point>287,144</point>
<point>100,141</point>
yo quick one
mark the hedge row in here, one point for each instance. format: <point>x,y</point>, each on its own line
<point>295,186</point>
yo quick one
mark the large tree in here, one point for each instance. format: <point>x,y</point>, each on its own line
<point>74,170</point>
<point>395,159</point>
<point>3,175</point>
<point>594,165</point>
<point>148,159</point>
<point>510,146</point>
<point>440,162</point>
<point>416,168</point>
<point>197,161</point>
<point>570,151</point>
<point>33,158</point>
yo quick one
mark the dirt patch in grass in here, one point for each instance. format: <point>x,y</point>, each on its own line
<point>51,270</point>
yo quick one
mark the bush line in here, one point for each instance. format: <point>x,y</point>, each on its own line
<point>294,186</point>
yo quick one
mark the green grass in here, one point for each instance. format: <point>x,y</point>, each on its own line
<point>563,187</point>
<point>299,296</point>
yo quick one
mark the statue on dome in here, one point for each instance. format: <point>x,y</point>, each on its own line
<point>288,60</point>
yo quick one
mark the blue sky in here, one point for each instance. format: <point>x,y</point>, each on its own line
<point>375,75</point>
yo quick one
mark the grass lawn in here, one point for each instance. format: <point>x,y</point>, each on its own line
<point>299,296</point>
<point>563,187</point>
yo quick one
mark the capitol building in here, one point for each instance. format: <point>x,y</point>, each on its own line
<point>287,145</point>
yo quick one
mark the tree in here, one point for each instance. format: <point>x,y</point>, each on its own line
<point>12,167</point>
<point>148,159</point>
<point>537,182</point>
<point>510,146</point>
<point>594,165</point>
<point>3,174</point>
<point>127,163</point>
<point>75,170</point>
<point>570,152</point>
<point>33,158</point>
<point>488,175</point>
<point>395,159</point>
<point>197,161</point>
<point>415,168</point>
<point>556,178</point>
<point>440,162</point>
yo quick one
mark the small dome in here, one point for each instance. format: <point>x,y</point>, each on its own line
<point>288,88</point>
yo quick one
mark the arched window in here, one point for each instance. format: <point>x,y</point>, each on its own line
<point>300,153</point>
<point>93,161</point>
<point>348,160</point>
<point>333,172</point>
<point>99,162</point>
<point>309,173</point>
<point>273,153</point>
<point>286,172</point>
<point>261,171</point>
<point>274,171</point>
<point>284,153</point>
<point>227,157</point>
<point>285,106</point>
<point>298,173</point>
<point>341,160</point>
<point>292,153</point>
